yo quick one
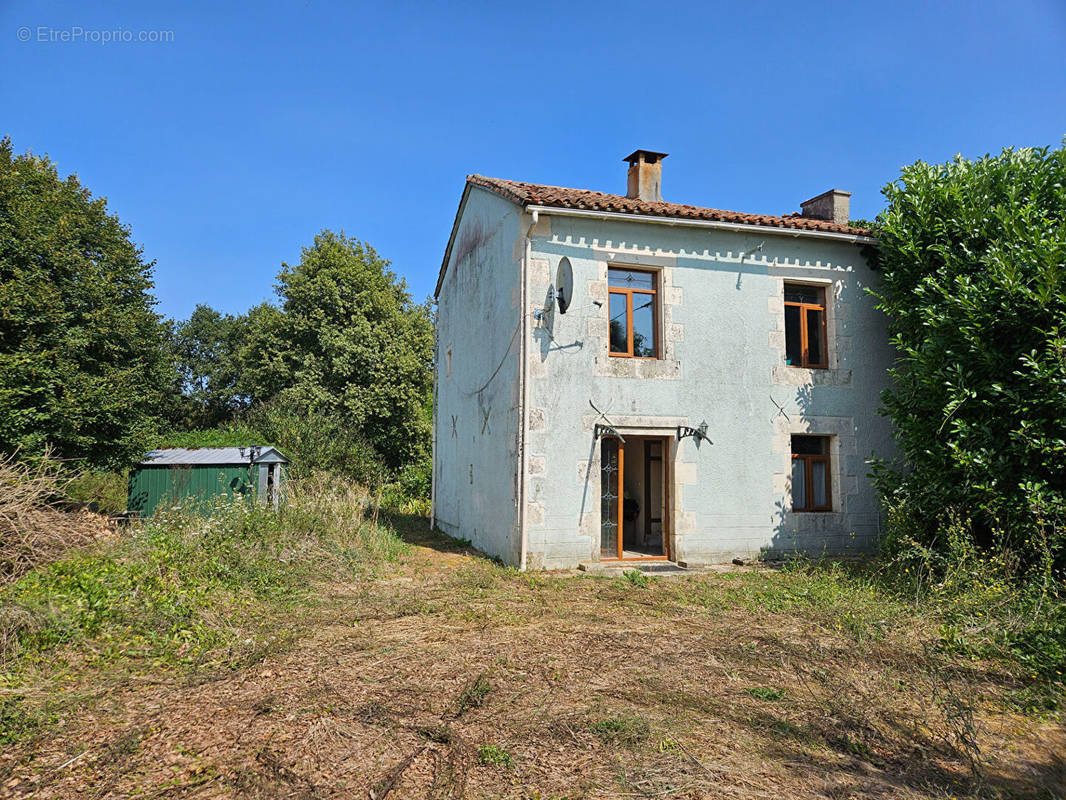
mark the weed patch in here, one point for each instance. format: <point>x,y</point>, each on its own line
<point>626,730</point>
<point>473,695</point>
<point>441,734</point>
<point>17,719</point>
<point>494,756</point>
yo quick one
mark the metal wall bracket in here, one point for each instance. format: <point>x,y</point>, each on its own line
<point>599,430</point>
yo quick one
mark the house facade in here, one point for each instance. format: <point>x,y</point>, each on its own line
<point>620,378</point>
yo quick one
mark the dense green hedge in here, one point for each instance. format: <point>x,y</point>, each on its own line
<point>973,280</point>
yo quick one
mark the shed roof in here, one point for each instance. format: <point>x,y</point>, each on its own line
<point>212,456</point>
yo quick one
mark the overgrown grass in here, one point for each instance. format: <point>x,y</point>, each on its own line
<point>973,610</point>
<point>184,591</point>
<point>997,593</point>
<point>641,687</point>
<point>844,597</point>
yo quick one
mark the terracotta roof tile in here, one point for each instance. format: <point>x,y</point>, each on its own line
<point>560,197</point>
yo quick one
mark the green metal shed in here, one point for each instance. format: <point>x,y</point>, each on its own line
<point>196,477</point>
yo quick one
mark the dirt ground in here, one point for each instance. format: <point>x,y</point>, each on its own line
<point>448,676</point>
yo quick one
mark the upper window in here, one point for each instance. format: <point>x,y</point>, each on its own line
<point>810,473</point>
<point>805,326</point>
<point>632,311</point>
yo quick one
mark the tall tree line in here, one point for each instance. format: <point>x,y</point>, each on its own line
<point>89,370</point>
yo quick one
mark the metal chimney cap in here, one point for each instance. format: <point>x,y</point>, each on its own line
<point>647,156</point>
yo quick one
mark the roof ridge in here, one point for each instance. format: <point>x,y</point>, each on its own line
<point>525,193</point>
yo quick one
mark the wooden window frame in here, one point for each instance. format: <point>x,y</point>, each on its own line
<point>654,292</point>
<point>809,460</point>
<point>804,333</point>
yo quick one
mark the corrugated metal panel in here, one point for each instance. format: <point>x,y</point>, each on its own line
<point>210,455</point>
<point>152,487</point>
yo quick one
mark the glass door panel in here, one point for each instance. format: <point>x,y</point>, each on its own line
<point>610,500</point>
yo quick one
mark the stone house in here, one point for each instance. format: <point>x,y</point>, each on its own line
<point>622,378</point>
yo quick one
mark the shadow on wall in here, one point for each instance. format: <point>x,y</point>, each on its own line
<point>544,328</point>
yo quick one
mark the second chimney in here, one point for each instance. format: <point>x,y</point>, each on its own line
<point>832,206</point>
<point>645,177</point>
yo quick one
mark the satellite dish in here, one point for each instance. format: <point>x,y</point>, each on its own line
<point>564,285</point>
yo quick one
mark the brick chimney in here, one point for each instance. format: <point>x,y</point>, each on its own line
<point>645,177</point>
<point>832,206</point>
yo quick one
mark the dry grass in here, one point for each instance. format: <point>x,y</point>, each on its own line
<point>33,528</point>
<point>448,676</point>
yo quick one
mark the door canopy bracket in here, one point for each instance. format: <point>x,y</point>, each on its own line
<point>607,430</point>
<point>699,433</point>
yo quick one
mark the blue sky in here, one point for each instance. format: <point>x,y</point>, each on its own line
<point>227,148</point>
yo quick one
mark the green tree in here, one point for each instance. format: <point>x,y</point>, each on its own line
<point>973,279</point>
<point>83,363</point>
<point>266,354</point>
<point>206,350</point>
<point>349,340</point>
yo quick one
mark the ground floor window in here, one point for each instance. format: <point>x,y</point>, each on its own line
<point>810,473</point>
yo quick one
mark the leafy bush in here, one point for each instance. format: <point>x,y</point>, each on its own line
<point>232,434</point>
<point>409,491</point>
<point>102,491</point>
<point>317,441</point>
<point>973,279</point>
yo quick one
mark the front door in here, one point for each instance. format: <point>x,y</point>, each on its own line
<point>633,498</point>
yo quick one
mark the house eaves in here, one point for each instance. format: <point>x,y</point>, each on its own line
<point>616,216</point>
<point>581,203</point>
